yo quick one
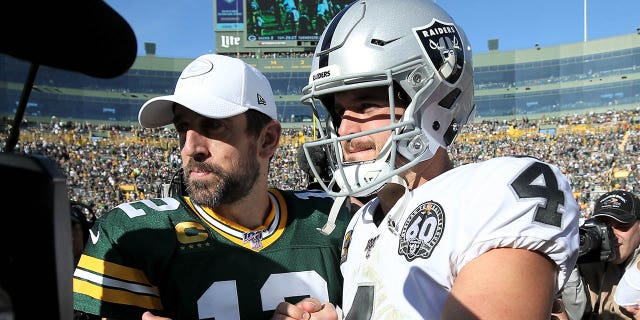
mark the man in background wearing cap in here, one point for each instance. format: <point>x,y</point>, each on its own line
<point>589,293</point>
<point>231,248</point>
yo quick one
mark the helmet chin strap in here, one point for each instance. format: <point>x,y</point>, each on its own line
<point>330,225</point>
<point>397,209</point>
<point>361,179</point>
<point>333,214</point>
<point>358,178</point>
<point>361,174</point>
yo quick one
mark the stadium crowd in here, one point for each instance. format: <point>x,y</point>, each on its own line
<point>106,164</point>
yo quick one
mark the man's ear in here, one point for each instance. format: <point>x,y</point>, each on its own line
<point>270,139</point>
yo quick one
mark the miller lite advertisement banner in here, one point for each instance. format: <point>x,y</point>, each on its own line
<point>271,23</point>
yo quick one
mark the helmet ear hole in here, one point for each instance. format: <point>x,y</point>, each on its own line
<point>452,132</point>
<point>450,99</point>
<point>448,102</point>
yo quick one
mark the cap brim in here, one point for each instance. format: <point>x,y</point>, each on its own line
<point>158,111</point>
<point>621,217</point>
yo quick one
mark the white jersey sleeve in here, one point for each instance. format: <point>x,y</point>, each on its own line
<point>405,267</point>
<point>628,291</point>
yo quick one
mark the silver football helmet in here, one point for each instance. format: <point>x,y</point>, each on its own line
<point>416,50</point>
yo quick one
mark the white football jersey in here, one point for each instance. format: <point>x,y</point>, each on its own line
<point>405,268</point>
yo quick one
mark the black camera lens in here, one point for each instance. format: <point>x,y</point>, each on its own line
<point>597,242</point>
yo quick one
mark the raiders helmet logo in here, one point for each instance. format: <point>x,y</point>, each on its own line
<point>421,231</point>
<point>441,42</point>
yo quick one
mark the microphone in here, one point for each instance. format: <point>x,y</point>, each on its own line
<point>318,158</point>
<point>86,36</point>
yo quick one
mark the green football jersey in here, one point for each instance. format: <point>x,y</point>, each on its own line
<point>184,261</point>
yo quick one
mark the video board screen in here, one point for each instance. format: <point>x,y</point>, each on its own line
<point>290,19</point>
<point>229,15</point>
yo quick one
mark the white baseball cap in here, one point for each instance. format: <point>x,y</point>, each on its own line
<point>213,86</point>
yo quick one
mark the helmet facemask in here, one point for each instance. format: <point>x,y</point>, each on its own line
<point>362,178</point>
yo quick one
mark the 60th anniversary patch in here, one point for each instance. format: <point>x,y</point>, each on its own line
<point>422,231</point>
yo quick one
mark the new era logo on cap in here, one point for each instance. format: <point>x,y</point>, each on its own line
<point>261,99</point>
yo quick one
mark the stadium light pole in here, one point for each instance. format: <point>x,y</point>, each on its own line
<point>585,20</point>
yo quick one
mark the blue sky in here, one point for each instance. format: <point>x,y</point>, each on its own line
<point>184,28</point>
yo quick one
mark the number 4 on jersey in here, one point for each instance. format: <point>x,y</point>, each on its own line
<point>539,181</point>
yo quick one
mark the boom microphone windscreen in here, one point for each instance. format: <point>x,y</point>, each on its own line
<point>318,157</point>
<point>86,36</point>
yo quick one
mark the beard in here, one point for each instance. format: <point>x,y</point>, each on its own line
<point>223,187</point>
